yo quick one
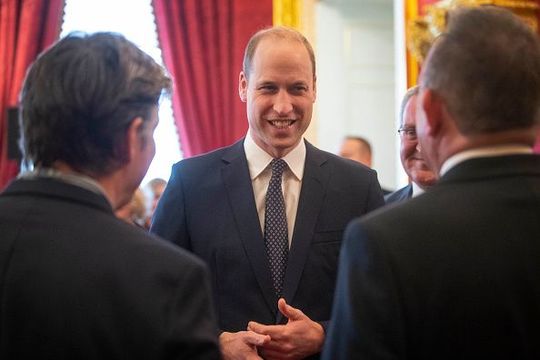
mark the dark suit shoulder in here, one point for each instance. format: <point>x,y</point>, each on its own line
<point>322,156</point>
<point>212,160</point>
<point>112,274</point>
<point>348,183</point>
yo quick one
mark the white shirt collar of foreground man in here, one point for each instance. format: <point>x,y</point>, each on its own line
<point>491,151</point>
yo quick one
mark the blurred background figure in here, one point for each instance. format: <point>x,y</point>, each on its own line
<point>358,149</point>
<point>135,211</point>
<point>153,191</point>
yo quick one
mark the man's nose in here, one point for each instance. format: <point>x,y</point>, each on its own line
<point>418,148</point>
<point>282,103</point>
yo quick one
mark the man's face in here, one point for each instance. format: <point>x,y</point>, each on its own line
<point>141,148</point>
<point>279,94</point>
<point>148,133</point>
<point>354,150</point>
<point>412,159</point>
<point>147,145</point>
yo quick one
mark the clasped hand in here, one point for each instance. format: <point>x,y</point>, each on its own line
<point>297,339</point>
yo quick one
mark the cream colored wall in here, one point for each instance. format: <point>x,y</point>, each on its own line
<point>355,48</point>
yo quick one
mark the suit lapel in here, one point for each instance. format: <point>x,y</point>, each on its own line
<point>311,198</point>
<point>237,181</point>
<point>406,193</point>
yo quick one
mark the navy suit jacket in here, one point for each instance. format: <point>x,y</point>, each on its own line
<point>399,195</point>
<point>209,209</point>
<point>78,283</point>
<point>451,274</point>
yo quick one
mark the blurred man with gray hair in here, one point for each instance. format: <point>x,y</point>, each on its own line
<point>420,175</point>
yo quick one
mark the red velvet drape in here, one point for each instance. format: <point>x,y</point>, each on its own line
<point>202,43</point>
<point>26,28</point>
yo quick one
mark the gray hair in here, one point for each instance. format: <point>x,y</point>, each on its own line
<point>486,67</point>
<point>408,95</point>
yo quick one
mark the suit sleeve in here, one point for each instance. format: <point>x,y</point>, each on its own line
<point>169,221</point>
<point>192,329</point>
<point>375,198</point>
<point>366,318</point>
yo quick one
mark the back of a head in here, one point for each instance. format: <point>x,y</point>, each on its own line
<point>276,32</point>
<point>79,98</point>
<point>156,185</point>
<point>487,68</point>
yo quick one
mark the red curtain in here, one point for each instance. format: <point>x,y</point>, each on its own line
<point>203,43</point>
<point>27,27</point>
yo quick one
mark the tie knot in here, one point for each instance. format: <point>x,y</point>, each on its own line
<point>278,165</point>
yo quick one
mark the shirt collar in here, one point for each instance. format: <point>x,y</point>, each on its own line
<point>258,159</point>
<point>416,189</point>
<point>491,151</point>
<point>79,180</point>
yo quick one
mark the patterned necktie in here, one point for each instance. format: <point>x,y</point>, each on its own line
<point>276,238</point>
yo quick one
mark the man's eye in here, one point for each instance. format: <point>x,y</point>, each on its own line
<point>410,132</point>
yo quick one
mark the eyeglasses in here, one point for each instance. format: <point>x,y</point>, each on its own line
<point>408,133</point>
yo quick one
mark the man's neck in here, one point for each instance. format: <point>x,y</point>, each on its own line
<point>451,146</point>
<point>111,185</point>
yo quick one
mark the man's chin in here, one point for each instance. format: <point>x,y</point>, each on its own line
<point>424,178</point>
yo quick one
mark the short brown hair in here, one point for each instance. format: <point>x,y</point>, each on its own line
<point>277,32</point>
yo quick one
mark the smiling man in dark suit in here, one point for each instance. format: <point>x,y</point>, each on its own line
<point>420,175</point>
<point>266,236</point>
<point>454,272</point>
<point>77,282</point>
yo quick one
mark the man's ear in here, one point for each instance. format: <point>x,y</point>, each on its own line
<point>314,88</point>
<point>242,86</point>
<point>134,138</point>
<point>432,105</point>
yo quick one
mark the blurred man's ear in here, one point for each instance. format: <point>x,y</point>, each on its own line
<point>135,141</point>
<point>242,86</point>
<point>432,105</point>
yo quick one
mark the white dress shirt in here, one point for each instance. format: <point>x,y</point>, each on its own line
<point>260,172</point>
<point>416,189</point>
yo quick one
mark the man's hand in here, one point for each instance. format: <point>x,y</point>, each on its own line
<point>297,339</point>
<point>241,345</point>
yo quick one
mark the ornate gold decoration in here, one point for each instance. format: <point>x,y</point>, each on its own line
<point>422,31</point>
<point>287,13</point>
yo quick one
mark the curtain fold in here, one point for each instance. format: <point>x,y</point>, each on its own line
<point>202,42</point>
<point>27,27</point>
